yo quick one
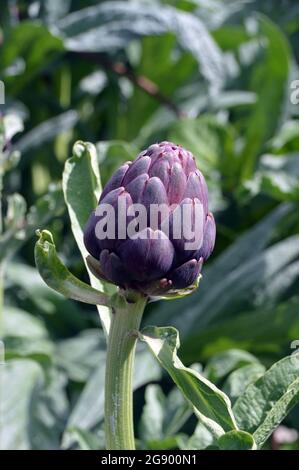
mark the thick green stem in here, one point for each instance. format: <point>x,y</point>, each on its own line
<point>119,372</point>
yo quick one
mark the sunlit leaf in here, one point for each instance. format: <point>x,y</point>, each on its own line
<point>266,402</point>
<point>82,189</point>
<point>211,406</point>
<point>112,25</point>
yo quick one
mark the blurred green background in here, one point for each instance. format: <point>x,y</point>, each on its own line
<point>217,77</point>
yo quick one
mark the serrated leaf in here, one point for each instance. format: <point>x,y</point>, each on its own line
<point>265,403</point>
<point>210,405</point>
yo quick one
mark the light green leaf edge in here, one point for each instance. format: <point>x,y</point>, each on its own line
<point>211,405</point>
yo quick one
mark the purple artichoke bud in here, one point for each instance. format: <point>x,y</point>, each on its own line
<point>163,251</point>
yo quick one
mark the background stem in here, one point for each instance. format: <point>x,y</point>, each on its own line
<point>119,373</point>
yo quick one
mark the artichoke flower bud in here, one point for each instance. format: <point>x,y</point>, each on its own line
<point>163,250</point>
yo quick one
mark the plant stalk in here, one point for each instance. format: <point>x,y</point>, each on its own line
<point>122,339</point>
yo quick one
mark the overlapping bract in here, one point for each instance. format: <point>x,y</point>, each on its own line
<point>162,174</point>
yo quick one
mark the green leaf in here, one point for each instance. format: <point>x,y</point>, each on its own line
<point>58,277</point>
<point>82,189</point>
<point>39,350</point>
<point>210,405</point>
<point>80,355</point>
<point>18,323</point>
<point>287,138</point>
<point>239,379</point>
<point>269,81</point>
<point>265,403</point>
<point>209,140</point>
<point>25,282</point>
<point>112,25</point>
<point>33,406</point>
<point>224,363</point>
<point>180,67</point>
<point>166,443</point>
<point>26,337</point>
<point>236,440</point>
<point>231,36</point>
<point>18,380</point>
<point>49,411</point>
<point>35,45</point>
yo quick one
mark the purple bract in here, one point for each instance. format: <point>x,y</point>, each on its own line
<point>162,174</point>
